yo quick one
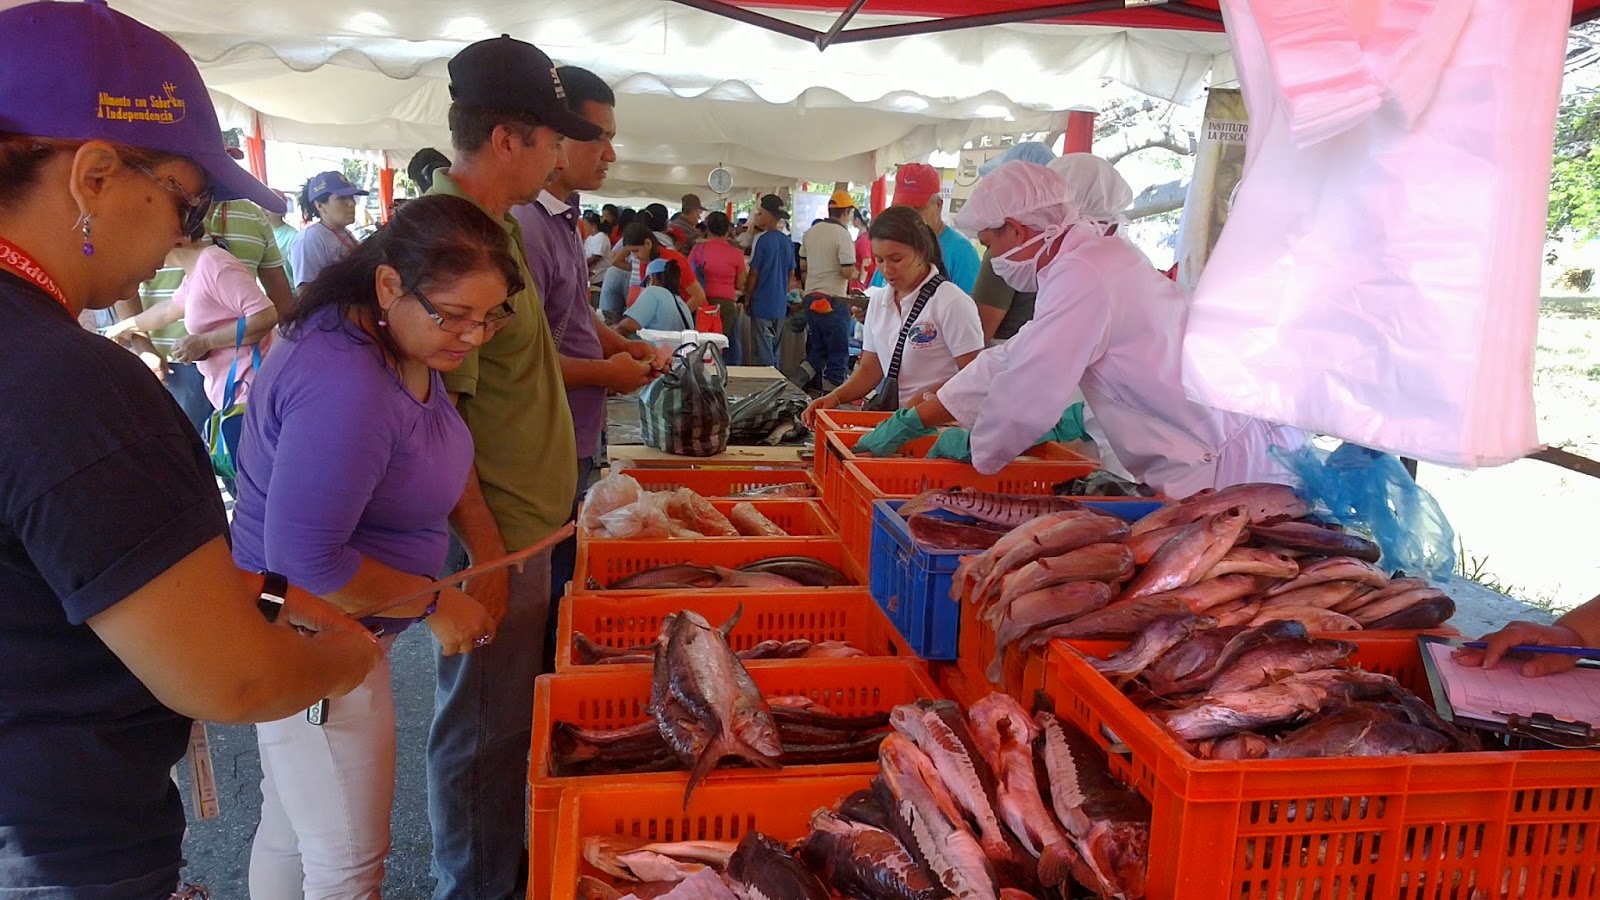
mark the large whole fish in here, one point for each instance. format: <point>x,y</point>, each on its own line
<point>1144,544</point>
<point>939,730</point>
<point>1255,561</point>
<point>1314,618</point>
<point>1004,734</point>
<point>1190,554</point>
<point>1042,610</point>
<point>945,535</point>
<point>1205,595</point>
<point>1162,634</point>
<point>1129,615</point>
<point>1107,562</point>
<point>1321,539</point>
<point>974,569</point>
<point>929,822</point>
<point>1108,823</point>
<point>1262,501</point>
<point>1212,663</point>
<point>1218,715</point>
<point>864,861</point>
<point>762,869</point>
<point>1325,595</point>
<point>1334,568</point>
<point>632,860</point>
<point>1429,613</point>
<point>1274,659</point>
<point>806,570</point>
<point>1362,729</point>
<point>681,575</point>
<point>1056,542</point>
<point>1000,509</point>
<point>705,702</point>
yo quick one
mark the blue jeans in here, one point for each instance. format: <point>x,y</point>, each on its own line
<point>478,747</point>
<point>563,559</point>
<point>188,387</point>
<point>767,332</point>
<point>828,342</point>
<point>614,294</point>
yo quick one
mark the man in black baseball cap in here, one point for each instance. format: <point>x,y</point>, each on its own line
<point>772,203</point>
<point>508,118</point>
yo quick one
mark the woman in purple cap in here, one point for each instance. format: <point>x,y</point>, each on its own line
<point>122,614</point>
<point>331,200</point>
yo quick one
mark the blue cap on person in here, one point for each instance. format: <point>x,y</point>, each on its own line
<point>331,184</point>
<point>656,267</point>
<point>83,71</point>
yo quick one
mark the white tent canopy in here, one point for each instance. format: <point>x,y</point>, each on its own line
<point>695,90</point>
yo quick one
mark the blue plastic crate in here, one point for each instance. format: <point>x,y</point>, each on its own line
<point>912,585</point>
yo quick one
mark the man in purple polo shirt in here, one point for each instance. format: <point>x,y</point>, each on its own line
<point>594,359</point>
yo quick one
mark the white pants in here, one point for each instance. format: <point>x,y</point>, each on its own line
<point>326,795</point>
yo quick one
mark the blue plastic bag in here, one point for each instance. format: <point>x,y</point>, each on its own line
<point>1368,491</point>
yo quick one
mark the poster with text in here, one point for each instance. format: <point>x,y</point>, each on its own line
<point>1218,167</point>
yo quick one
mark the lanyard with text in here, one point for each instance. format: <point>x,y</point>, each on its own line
<point>17,260</point>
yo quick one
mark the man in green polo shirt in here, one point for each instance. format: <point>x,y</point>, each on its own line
<point>508,116</point>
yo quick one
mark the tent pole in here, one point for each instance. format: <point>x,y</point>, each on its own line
<point>838,26</point>
<point>750,17</point>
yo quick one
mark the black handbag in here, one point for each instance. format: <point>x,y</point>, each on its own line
<point>888,397</point>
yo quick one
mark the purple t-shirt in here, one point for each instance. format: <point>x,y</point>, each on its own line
<point>337,460</point>
<point>561,273</point>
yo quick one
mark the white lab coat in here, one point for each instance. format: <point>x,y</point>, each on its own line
<point>1108,321</point>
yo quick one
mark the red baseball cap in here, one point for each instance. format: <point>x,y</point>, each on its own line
<point>915,184</point>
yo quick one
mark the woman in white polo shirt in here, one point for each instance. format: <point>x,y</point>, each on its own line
<point>327,240</point>
<point>917,315</point>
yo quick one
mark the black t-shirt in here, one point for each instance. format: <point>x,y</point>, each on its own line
<point>103,486</point>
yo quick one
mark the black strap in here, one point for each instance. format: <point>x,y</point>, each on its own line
<point>682,310</point>
<point>923,297</point>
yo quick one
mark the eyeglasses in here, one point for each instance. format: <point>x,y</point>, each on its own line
<point>463,325</point>
<point>192,208</point>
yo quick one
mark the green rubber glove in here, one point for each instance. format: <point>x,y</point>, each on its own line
<point>1070,428</point>
<point>905,425</point>
<point>953,443</point>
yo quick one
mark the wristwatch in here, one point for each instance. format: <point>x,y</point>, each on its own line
<point>274,591</point>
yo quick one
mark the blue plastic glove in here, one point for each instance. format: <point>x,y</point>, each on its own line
<point>953,443</point>
<point>1070,428</point>
<point>905,425</point>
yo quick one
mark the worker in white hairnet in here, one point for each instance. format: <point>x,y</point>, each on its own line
<point>1105,319</point>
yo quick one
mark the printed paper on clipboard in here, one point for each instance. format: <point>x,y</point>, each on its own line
<point>1484,695</point>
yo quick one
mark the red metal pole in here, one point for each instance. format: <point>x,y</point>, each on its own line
<point>255,151</point>
<point>385,190</point>
<point>1080,132</point>
<point>880,195</point>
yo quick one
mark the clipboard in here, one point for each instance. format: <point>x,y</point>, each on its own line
<point>1516,726</point>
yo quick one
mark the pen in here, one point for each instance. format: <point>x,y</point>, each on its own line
<point>1585,652</point>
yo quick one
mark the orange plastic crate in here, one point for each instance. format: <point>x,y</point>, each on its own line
<point>717,482</point>
<point>868,480</point>
<point>781,808</point>
<point>1520,824</point>
<point>610,561</point>
<point>801,518</point>
<point>618,697</point>
<point>838,615</point>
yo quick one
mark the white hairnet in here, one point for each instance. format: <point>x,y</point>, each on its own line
<point>1094,187</point>
<point>1027,151</point>
<point>1032,194</point>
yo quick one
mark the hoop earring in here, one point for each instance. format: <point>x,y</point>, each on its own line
<point>83,225</point>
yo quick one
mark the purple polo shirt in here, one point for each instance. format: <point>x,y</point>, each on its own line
<point>561,273</point>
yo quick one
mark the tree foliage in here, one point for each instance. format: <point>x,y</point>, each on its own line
<point>1575,172</point>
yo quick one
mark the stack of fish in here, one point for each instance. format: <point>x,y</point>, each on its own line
<point>774,572</point>
<point>704,707</point>
<point>1246,554</point>
<point>992,805</point>
<point>1249,692</point>
<point>617,506</point>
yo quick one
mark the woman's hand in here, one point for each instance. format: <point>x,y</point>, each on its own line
<point>353,648</point>
<point>829,400</point>
<point>1500,643</point>
<point>460,623</point>
<point>191,348</point>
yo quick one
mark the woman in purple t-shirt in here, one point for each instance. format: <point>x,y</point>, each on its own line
<point>351,458</point>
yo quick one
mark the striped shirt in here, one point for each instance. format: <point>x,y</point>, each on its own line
<point>249,237</point>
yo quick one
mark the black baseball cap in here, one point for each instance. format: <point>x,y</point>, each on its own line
<point>508,75</point>
<point>772,203</point>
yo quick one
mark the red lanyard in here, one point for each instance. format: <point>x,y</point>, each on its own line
<point>17,260</point>
<point>343,236</point>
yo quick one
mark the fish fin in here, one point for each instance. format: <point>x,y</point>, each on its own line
<point>996,670</point>
<point>707,761</point>
<point>733,620</point>
<point>1056,864</point>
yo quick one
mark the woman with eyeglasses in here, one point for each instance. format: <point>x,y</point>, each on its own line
<point>123,616</point>
<point>350,460</point>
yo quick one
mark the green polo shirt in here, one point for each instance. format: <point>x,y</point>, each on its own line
<point>515,404</point>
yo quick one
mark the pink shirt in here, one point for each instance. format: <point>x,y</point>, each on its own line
<point>723,266</point>
<point>218,293</point>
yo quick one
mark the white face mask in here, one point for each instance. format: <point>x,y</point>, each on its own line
<point>1022,273</point>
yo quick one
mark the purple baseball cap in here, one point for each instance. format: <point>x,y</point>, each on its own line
<point>83,71</point>
<point>331,184</point>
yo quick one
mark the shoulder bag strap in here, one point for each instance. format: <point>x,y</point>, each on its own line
<point>233,367</point>
<point>923,297</point>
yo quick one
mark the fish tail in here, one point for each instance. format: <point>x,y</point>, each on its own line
<point>997,671</point>
<point>733,620</point>
<point>1056,864</point>
<point>708,759</point>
